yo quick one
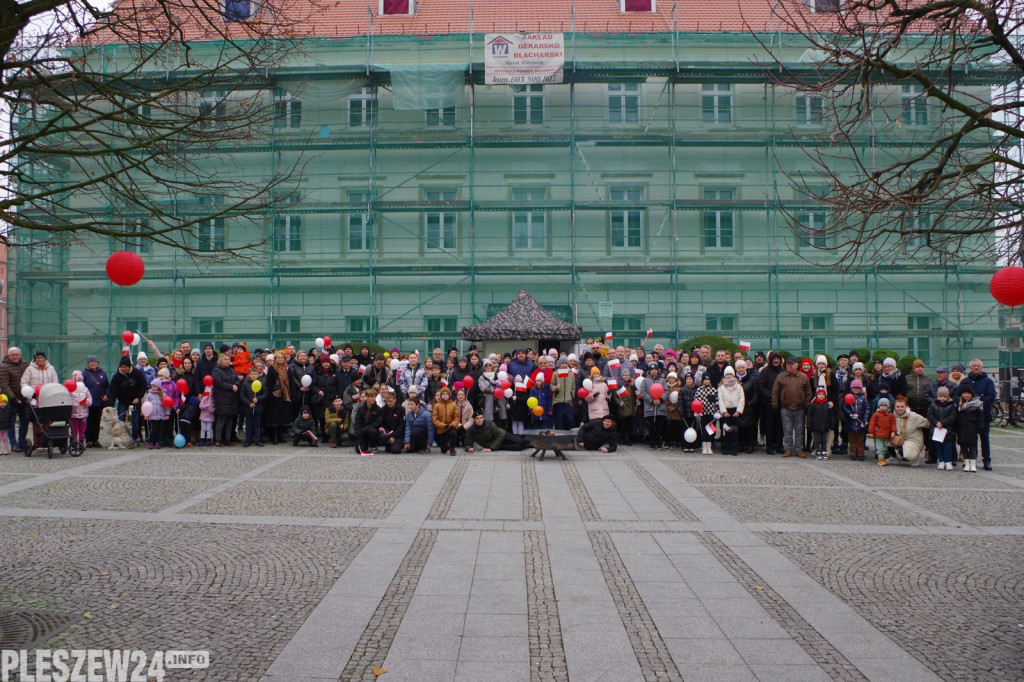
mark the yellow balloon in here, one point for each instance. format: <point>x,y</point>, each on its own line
<point>257,386</point>
<point>387,354</point>
<point>3,398</point>
<point>532,403</point>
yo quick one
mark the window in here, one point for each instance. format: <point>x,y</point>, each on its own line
<point>527,104</point>
<point>919,346</point>
<point>362,108</point>
<point>287,233</point>
<point>628,330</point>
<point>239,10</point>
<point>443,116</point>
<point>626,224</point>
<point>636,5</point>
<point>918,227</point>
<point>719,226</point>
<point>529,229</point>
<point>915,106</point>
<point>287,326</point>
<point>212,108</point>
<point>623,102</point>
<point>808,108</point>
<point>441,225</point>
<point>360,225</point>
<point>136,325</point>
<point>813,345</point>
<point>441,332</point>
<point>287,111</point>
<point>720,323</point>
<point>207,329</point>
<point>359,327</point>
<point>716,102</point>
<point>820,6</point>
<point>388,7</point>
<point>210,234</point>
<point>134,240</point>
<point>813,225</point>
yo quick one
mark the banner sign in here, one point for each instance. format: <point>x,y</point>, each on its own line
<point>523,58</point>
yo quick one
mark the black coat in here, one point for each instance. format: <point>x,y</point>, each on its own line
<point>594,436</point>
<point>819,417</point>
<point>124,388</point>
<point>947,414</point>
<point>970,422</point>
<point>225,400</point>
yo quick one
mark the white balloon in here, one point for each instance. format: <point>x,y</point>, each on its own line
<point>718,415</point>
<point>147,409</point>
<point>588,384</point>
<point>673,397</point>
<point>690,435</point>
<point>307,380</point>
<point>136,339</point>
<point>395,364</point>
<point>502,376</point>
<point>79,386</point>
<point>508,392</point>
<point>319,342</point>
<point>27,391</point>
<point>639,383</point>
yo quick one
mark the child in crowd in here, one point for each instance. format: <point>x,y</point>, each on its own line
<point>942,415</point>
<point>542,392</point>
<point>81,400</point>
<point>206,418</point>
<point>517,409</point>
<point>819,422</point>
<point>855,416</point>
<point>252,407</point>
<point>304,428</point>
<point>465,414</point>
<point>882,427</point>
<point>708,396</point>
<point>334,421</point>
<point>970,420</point>
<point>158,415</point>
<point>6,422</point>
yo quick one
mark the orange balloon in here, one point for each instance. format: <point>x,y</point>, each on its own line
<point>538,411</point>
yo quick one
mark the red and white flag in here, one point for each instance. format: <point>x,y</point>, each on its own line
<point>444,382</point>
<point>650,333</point>
<point>520,387</point>
<point>608,337</point>
<point>710,428</point>
<point>623,391</point>
<point>745,345</point>
<point>613,384</point>
<point>362,368</point>
<point>614,363</point>
<point>127,350</point>
<point>563,372</point>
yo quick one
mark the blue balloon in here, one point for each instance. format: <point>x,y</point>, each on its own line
<point>179,441</point>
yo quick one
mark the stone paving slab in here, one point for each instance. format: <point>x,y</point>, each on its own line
<point>298,564</point>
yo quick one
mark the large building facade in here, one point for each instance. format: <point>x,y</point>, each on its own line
<point>647,190</point>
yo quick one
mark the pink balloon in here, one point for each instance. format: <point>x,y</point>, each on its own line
<point>147,409</point>
<point>697,406</point>
<point>656,391</point>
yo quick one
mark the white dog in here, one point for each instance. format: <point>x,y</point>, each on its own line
<point>115,430</point>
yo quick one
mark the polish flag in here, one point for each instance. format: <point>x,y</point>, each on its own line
<point>623,391</point>
<point>650,333</point>
<point>575,371</point>
<point>608,337</point>
<point>563,372</point>
<point>710,428</point>
<point>745,345</point>
<point>444,382</point>
<point>613,384</point>
<point>520,387</point>
<point>614,363</point>
<point>127,350</point>
<point>362,368</point>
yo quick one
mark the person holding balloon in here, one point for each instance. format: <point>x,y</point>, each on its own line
<point>855,410</point>
<point>6,422</point>
<point>652,391</point>
<point>707,396</point>
<point>154,410</point>
<point>225,398</point>
<point>81,401</point>
<point>254,395</point>
<point>540,402</point>
<point>597,394</point>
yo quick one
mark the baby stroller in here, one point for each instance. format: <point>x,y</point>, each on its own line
<point>52,418</point>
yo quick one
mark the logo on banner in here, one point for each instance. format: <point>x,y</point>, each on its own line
<point>523,58</point>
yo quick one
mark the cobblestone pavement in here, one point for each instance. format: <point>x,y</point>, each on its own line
<point>291,564</point>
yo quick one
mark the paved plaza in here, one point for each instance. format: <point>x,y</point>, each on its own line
<point>293,564</point>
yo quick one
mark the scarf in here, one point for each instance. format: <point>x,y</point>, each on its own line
<point>284,381</point>
<point>729,381</point>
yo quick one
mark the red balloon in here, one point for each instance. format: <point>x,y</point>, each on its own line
<point>71,385</point>
<point>327,340</point>
<point>208,380</point>
<point>467,381</point>
<point>697,406</point>
<point>1007,286</point>
<point>656,391</point>
<point>38,386</point>
<point>176,362</point>
<point>499,393</point>
<point>167,401</point>
<point>583,393</point>
<point>506,384</point>
<point>182,386</point>
<point>127,337</point>
<point>850,399</point>
<point>125,268</point>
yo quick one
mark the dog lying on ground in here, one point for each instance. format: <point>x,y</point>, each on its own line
<point>115,430</point>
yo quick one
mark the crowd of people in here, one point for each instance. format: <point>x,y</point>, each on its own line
<point>608,395</point>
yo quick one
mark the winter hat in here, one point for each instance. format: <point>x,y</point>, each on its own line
<point>943,392</point>
<point>792,360</point>
<point>918,363</point>
<point>966,388</point>
<point>562,362</point>
<point>164,373</point>
<point>91,358</point>
<point>208,345</point>
<point>820,359</point>
<point>888,362</point>
<point>305,410</point>
<point>142,355</point>
<point>729,372</point>
<point>883,402</point>
<point>125,361</point>
<point>673,374</point>
<point>943,368</point>
<point>883,386</point>
<point>572,356</point>
<point>856,383</point>
<point>858,365</point>
<point>76,375</point>
<point>741,364</point>
<point>821,391</point>
<point>633,358</point>
<point>155,382</point>
<point>959,368</point>
<point>595,370</point>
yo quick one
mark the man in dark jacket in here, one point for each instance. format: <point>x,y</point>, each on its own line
<point>771,421</point>
<point>127,387</point>
<point>598,434</point>
<point>366,420</point>
<point>392,426</point>
<point>985,390</point>
<point>11,370</point>
<point>491,437</point>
